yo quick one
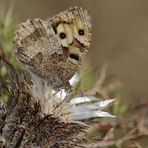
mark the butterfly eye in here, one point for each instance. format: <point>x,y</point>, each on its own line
<point>81,32</point>
<point>62,35</point>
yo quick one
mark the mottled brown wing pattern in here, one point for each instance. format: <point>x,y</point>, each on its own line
<point>54,49</point>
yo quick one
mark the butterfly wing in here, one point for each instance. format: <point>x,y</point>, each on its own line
<point>32,38</point>
<point>54,49</point>
<point>73,31</point>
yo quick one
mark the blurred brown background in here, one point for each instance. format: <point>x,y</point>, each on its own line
<point>120,35</point>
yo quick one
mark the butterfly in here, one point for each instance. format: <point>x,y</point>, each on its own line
<point>55,48</point>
